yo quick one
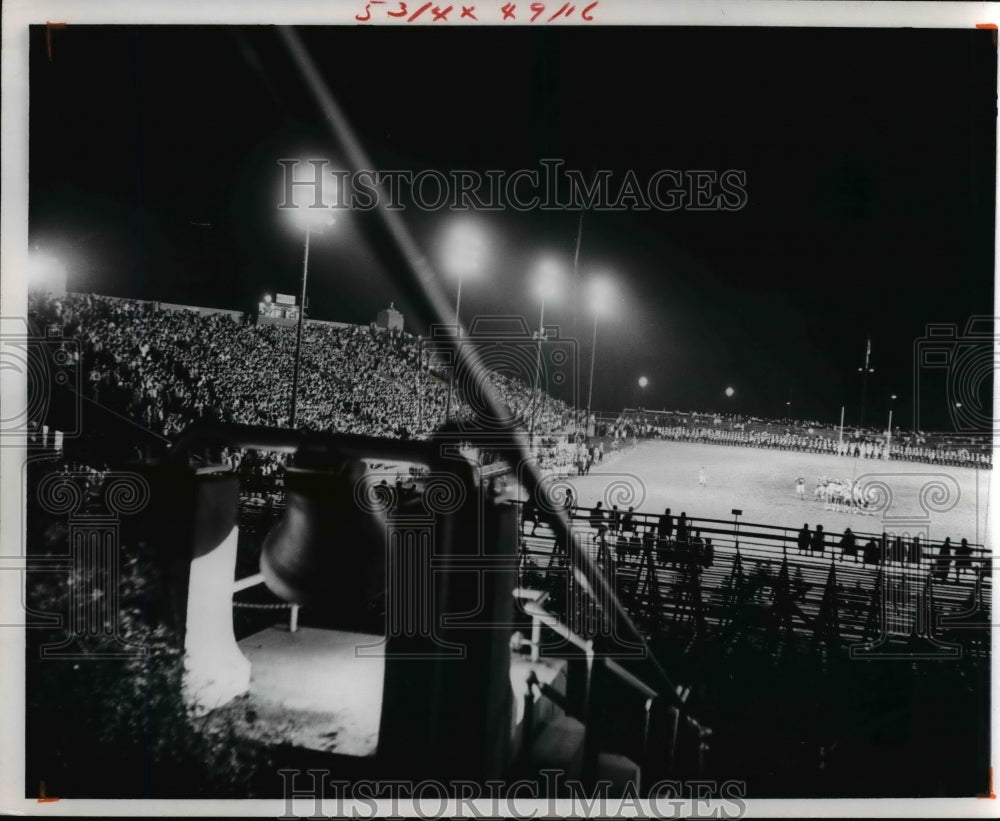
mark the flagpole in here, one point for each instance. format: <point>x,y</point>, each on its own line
<point>864,383</point>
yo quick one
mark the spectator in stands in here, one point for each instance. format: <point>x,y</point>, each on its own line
<point>628,521</point>
<point>963,560</point>
<point>915,554</point>
<point>848,545</point>
<point>616,519</point>
<point>598,521</point>
<point>662,551</point>
<point>682,529</point>
<point>759,580</point>
<point>529,513</point>
<point>942,565</point>
<point>697,546</point>
<point>871,552</point>
<point>804,539</point>
<point>621,548</point>
<point>648,546</point>
<point>898,551</point>
<point>818,543</point>
<point>665,527</point>
<point>708,555</point>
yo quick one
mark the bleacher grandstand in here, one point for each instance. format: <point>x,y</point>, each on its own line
<point>166,367</point>
<point>805,436</point>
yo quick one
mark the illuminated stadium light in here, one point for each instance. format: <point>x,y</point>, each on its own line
<point>46,274</point>
<point>730,391</point>
<point>548,280</point>
<point>643,381</point>
<point>312,220</point>
<point>600,294</point>
<point>463,256</point>
<point>314,196</point>
<point>464,249</point>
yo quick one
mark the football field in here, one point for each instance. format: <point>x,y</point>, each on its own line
<point>940,501</point>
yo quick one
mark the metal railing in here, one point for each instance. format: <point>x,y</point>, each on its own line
<point>749,566</point>
<point>663,713</point>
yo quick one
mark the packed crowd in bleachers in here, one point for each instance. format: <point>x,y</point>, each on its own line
<point>167,369</point>
<point>808,437</point>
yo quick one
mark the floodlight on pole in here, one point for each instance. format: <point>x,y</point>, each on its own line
<point>311,218</point>
<point>463,255</point>
<point>641,382</point>
<point>46,274</point>
<point>888,430</point>
<point>600,297</point>
<point>546,287</point>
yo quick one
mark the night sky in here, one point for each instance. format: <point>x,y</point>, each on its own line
<point>870,174</point>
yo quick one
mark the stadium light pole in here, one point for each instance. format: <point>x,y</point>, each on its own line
<point>311,219</point>
<point>600,293</point>
<point>888,430</point>
<point>643,381</point>
<point>546,288</point>
<point>462,256</point>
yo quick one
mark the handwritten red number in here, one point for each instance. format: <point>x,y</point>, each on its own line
<point>468,11</point>
<point>418,12</point>
<point>367,17</point>
<point>538,9</point>
<point>402,10</point>
<point>508,11</point>
<point>440,14</point>
<point>566,9</point>
<point>585,14</point>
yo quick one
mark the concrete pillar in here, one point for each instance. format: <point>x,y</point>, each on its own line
<point>193,534</point>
